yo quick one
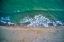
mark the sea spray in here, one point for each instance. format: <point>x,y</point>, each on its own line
<point>40,20</point>
<point>36,21</point>
<point>6,21</point>
<point>26,19</point>
<point>6,18</point>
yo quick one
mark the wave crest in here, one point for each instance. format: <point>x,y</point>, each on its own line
<point>40,20</point>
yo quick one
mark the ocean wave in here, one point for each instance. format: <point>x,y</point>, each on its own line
<point>36,21</point>
<point>40,20</point>
<point>6,21</point>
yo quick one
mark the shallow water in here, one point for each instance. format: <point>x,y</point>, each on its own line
<point>19,9</point>
<point>52,15</point>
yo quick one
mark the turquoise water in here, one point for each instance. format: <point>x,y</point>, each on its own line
<point>52,15</point>
<point>18,9</point>
<point>25,5</point>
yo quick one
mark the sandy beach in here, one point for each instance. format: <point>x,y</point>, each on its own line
<point>30,34</point>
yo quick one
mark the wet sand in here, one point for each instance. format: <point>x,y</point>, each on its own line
<point>30,34</point>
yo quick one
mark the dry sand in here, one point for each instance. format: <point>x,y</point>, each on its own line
<point>30,34</point>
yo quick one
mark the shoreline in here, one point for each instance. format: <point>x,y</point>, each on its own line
<point>29,28</point>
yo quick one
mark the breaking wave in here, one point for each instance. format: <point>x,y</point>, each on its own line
<point>40,20</point>
<point>36,21</point>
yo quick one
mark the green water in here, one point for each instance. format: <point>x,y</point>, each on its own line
<point>52,9</point>
<point>52,15</point>
<point>24,5</point>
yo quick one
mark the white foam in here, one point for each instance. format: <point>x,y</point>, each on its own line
<point>54,24</point>
<point>10,23</point>
<point>59,22</point>
<point>40,20</point>
<point>6,18</point>
<point>3,21</point>
<point>26,19</point>
<point>36,21</point>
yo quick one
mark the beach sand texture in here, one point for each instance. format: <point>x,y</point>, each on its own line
<point>30,34</point>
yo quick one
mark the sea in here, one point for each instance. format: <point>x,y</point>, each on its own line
<point>32,11</point>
